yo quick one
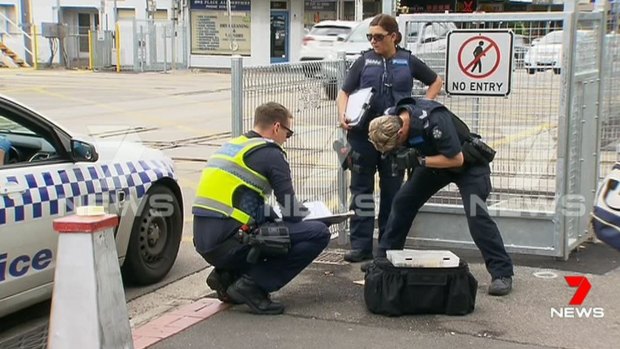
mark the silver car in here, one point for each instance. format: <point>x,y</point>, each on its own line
<point>47,173</point>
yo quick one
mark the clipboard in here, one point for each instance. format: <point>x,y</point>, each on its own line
<point>358,105</point>
<point>320,212</point>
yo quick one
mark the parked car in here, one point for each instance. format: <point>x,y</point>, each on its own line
<point>520,48</point>
<point>47,173</point>
<point>321,37</point>
<point>428,41</point>
<point>545,53</point>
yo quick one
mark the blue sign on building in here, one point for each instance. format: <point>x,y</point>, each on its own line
<point>220,5</point>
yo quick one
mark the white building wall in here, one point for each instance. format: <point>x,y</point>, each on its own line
<point>47,11</point>
<point>261,26</point>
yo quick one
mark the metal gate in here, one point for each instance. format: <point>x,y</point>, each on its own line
<point>101,47</point>
<point>158,46</point>
<point>545,131</point>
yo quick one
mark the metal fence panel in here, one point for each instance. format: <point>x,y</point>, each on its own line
<point>157,46</point>
<point>102,45</point>
<point>307,95</point>
<point>544,132</point>
<point>583,110</point>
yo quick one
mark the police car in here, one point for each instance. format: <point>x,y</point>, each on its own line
<point>47,173</point>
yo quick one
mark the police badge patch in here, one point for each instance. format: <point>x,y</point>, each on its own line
<point>437,133</point>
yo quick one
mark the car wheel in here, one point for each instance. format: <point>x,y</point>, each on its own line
<point>331,90</point>
<point>557,71</point>
<point>155,237</point>
<point>531,71</point>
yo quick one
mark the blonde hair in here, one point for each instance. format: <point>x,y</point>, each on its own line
<point>383,132</point>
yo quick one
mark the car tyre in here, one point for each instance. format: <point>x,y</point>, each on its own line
<point>155,238</point>
<point>531,71</point>
<point>557,71</point>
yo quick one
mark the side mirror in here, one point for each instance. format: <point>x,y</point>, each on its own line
<point>82,151</point>
<point>341,37</point>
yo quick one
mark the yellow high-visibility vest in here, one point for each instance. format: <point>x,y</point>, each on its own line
<point>226,171</point>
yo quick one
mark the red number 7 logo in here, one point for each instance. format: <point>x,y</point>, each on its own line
<point>583,287</point>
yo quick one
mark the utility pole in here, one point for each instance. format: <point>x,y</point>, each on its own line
<point>26,23</point>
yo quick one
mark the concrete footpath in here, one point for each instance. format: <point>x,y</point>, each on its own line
<point>325,308</point>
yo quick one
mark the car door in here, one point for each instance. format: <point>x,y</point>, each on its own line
<point>34,189</point>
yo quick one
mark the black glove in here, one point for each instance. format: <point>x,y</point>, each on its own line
<point>406,158</point>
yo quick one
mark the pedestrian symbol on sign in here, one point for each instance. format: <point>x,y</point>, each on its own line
<point>478,54</point>
<point>482,47</point>
<point>478,62</point>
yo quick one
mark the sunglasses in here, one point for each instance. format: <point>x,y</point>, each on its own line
<point>377,37</point>
<point>289,132</point>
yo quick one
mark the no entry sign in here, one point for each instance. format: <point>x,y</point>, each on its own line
<point>479,62</point>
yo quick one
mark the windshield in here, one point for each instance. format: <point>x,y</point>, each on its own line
<point>359,33</point>
<point>329,30</point>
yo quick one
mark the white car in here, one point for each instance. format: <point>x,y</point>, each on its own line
<point>426,40</point>
<point>546,52</point>
<point>47,173</point>
<point>321,37</point>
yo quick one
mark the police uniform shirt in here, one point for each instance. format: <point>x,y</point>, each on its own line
<point>270,162</point>
<point>439,135</point>
<point>417,68</point>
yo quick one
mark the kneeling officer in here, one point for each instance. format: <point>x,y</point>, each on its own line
<point>234,228</point>
<point>438,148</point>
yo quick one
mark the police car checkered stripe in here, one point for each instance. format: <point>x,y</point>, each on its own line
<point>59,192</point>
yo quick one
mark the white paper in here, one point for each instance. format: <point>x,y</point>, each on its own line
<point>318,211</point>
<point>357,104</point>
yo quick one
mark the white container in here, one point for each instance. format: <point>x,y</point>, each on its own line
<point>423,258</point>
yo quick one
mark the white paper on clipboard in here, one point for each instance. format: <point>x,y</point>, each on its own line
<point>318,211</point>
<point>357,104</point>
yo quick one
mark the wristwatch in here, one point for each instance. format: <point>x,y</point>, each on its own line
<point>422,161</point>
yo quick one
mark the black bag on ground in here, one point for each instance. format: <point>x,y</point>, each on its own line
<point>393,291</point>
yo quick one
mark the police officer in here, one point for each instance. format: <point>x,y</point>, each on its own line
<point>443,154</point>
<point>231,194</point>
<point>5,146</point>
<point>390,70</point>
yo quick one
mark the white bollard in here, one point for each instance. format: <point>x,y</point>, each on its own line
<point>88,304</point>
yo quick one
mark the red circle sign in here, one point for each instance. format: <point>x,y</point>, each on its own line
<point>465,68</point>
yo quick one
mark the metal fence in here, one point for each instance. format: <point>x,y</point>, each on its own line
<point>305,93</point>
<point>545,131</point>
<point>158,46</point>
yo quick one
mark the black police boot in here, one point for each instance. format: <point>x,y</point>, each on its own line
<point>500,286</point>
<point>355,256</point>
<point>219,281</point>
<point>364,267</point>
<point>246,291</point>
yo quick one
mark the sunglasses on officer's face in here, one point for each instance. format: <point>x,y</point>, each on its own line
<point>289,132</point>
<point>377,37</point>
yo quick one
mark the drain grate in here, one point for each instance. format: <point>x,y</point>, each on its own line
<point>35,338</point>
<point>334,257</point>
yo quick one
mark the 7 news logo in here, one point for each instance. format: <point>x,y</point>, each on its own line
<point>583,288</point>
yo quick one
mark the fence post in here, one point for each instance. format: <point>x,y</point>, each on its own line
<point>88,303</point>
<point>35,48</point>
<point>342,178</point>
<point>562,223</point>
<point>90,50</point>
<point>165,47</point>
<point>236,91</point>
<point>117,37</point>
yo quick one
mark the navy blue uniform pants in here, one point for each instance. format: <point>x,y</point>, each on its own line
<point>308,239</point>
<point>366,163</point>
<point>474,189</point>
